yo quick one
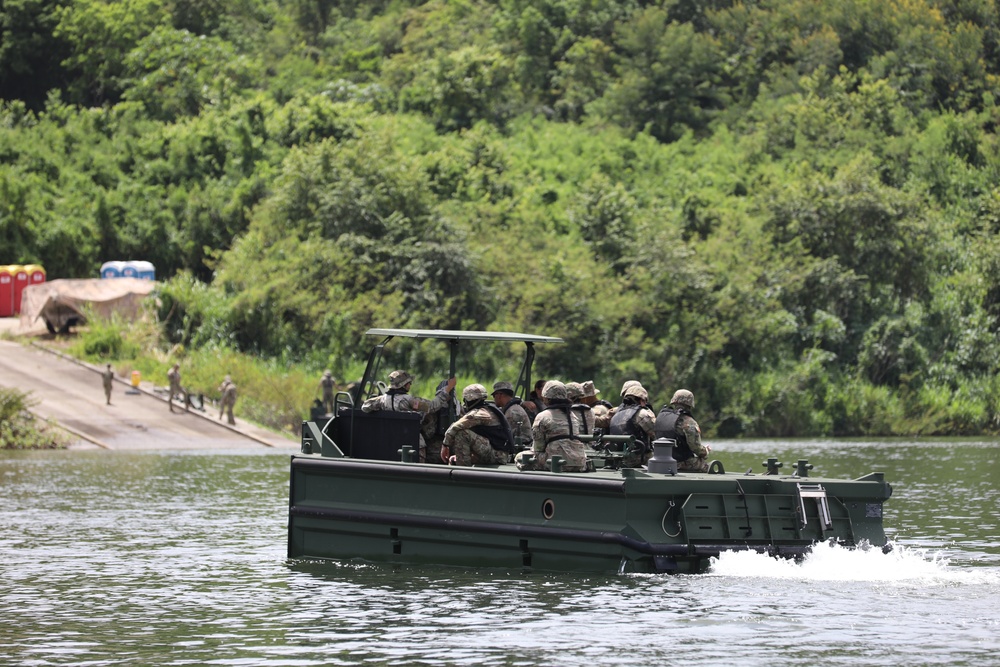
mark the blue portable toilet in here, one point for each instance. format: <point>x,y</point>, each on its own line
<point>140,269</point>
<point>112,269</point>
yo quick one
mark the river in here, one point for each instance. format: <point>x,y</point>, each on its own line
<point>178,558</point>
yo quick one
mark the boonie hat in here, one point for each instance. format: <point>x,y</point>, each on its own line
<point>505,387</point>
<point>589,389</point>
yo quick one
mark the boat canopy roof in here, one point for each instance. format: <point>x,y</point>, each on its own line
<point>449,334</point>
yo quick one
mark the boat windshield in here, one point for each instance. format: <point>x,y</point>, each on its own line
<point>454,339</point>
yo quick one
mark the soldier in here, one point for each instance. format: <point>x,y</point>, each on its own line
<point>174,375</point>
<point>634,418</point>
<point>535,404</point>
<point>581,411</point>
<point>443,411</point>
<point>326,385</point>
<point>600,408</point>
<point>520,422</point>
<point>555,432</point>
<point>228,400</point>
<point>481,435</point>
<point>398,399</point>
<point>676,422</point>
<point>108,376</point>
<point>603,419</point>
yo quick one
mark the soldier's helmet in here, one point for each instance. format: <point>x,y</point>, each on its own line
<point>628,384</point>
<point>684,398</point>
<point>505,387</point>
<point>327,373</point>
<point>589,389</point>
<point>574,391</point>
<point>473,393</point>
<point>554,389</point>
<point>399,379</point>
<point>638,391</point>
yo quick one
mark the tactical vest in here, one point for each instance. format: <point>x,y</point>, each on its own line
<point>513,401</point>
<point>565,409</point>
<point>499,435</point>
<point>623,423</point>
<point>584,410</point>
<point>666,427</point>
<point>391,395</point>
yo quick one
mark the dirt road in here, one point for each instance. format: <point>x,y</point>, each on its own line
<point>71,394</point>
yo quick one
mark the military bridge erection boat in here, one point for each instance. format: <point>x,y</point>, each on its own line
<point>357,492</point>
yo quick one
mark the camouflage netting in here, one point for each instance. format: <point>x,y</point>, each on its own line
<point>62,303</point>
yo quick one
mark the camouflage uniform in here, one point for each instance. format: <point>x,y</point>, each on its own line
<point>468,447</point>
<point>174,375</point>
<point>398,400</point>
<point>517,417</point>
<point>641,424</point>
<point>582,413</point>
<point>553,432</point>
<point>228,390</point>
<point>436,421</point>
<point>108,378</point>
<point>600,408</point>
<point>686,429</point>
<point>326,385</point>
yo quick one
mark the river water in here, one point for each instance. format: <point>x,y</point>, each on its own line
<point>178,558</point>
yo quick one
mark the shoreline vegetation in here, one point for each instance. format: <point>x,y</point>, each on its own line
<point>789,208</point>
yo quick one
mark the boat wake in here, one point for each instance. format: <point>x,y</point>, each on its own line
<point>830,562</point>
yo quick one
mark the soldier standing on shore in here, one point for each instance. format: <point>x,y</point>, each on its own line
<point>174,375</point>
<point>108,377</point>
<point>228,391</point>
<point>326,384</point>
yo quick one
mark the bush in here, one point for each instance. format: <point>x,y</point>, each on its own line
<point>19,428</point>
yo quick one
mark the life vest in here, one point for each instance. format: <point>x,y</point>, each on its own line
<point>499,435</point>
<point>623,423</point>
<point>666,427</point>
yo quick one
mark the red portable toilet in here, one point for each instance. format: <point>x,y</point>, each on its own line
<point>36,273</point>
<point>20,282</point>
<point>6,291</point>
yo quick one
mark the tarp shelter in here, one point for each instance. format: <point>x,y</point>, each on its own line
<point>61,303</point>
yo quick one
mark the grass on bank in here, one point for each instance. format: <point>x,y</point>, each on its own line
<point>20,429</point>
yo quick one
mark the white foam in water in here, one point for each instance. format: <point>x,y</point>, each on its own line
<point>834,563</point>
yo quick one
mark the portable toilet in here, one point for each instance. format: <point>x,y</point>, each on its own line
<point>138,269</point>
<point>36,274</point>
<point>6,291</point>
<point>112,269</point>
<point>20,282</point>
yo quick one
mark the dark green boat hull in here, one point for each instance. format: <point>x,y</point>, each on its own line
<point>604,521</point>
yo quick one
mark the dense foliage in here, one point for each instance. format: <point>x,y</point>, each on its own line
<point>790,208</point>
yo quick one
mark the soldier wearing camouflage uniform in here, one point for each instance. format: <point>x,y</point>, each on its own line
<point>443,412</point>
<point>174,376</point>
<point>634,418</point>
<point>581,411</point>
<point>600,408</point>
<point>108,377</point>
<point>481,436</point>
<point>555,432</point>
<point>326,385</point>
<point>510,405</point>
<point>398,399</point>
<point>676,422</point>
